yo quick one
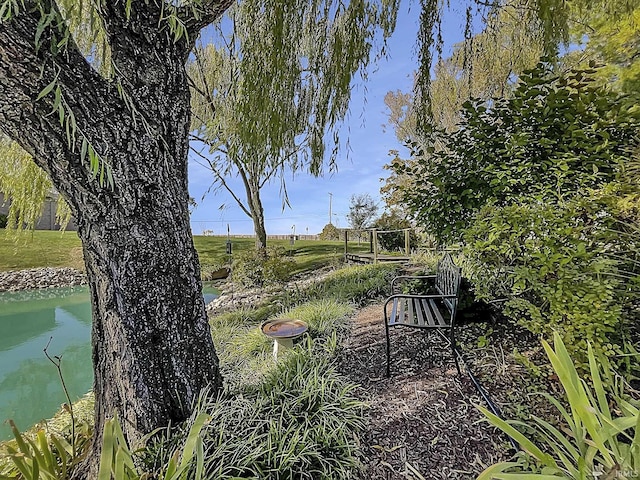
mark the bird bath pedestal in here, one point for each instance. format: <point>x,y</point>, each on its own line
<point>283,331</point>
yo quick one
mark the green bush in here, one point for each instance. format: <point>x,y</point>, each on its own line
<point>3,220</point>
<point>533,184</point>
<point>557,136</point>
<point>329,232</point>
<point>256,267</point>
<point>555,267</point>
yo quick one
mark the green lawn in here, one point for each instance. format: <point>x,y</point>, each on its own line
<point>41,248</point>
<point>55,249</point>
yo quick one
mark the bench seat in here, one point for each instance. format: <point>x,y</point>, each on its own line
<point>435,311</point>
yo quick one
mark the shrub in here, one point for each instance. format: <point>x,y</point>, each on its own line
<point>329,232</point>
<point>557,136</point>
<point>301,422</point>
<point>554,266</point>
<point>3,220</point>
<point>256,267</point>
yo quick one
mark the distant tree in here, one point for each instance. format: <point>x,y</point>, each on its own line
<point>393,222</point>
<point>398,180</point>
<point>262,114</point>
<point>330,232</point>
<point>362,211</point>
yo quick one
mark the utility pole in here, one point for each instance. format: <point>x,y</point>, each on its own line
<point>330,197</point>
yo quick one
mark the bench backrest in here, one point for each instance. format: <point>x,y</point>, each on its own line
<point>448,278</point>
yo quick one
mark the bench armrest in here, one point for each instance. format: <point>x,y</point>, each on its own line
<point>408,295</point>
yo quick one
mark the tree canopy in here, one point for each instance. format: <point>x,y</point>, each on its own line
<point>269,91</point>
<point>362,211</point>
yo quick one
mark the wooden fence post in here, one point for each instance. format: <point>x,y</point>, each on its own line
<point>375,246</point>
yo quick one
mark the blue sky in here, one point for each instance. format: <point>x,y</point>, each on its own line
<point>369,143</point>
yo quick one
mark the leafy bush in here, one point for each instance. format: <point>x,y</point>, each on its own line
<point>50,451</point>
<point>557,136</point>
<point>184,460</point>
<point>600,438</point>
<point>529,183</point>
<point>3,220</point>
<point>555,266</point>
<point>256,267</point>
<point>329,232</point>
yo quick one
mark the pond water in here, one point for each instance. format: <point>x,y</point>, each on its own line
<point>30,388</point>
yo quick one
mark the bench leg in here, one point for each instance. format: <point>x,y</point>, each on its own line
<point>386,328</point>
<point>454,352</point>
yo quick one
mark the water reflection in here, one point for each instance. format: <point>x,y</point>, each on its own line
<point>30,388</point>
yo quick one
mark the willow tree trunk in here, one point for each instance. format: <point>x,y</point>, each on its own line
<point>256,209</point>
<point>152,348</point>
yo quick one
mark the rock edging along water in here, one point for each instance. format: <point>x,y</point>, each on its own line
<point>233,297</point>
<point>39,278</point>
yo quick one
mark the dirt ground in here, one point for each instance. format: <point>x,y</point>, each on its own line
<point>422,421</point>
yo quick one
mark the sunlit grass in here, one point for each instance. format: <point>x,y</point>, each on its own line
<point>323,316</point>
<point>300,421</point>
<point>43,248</point>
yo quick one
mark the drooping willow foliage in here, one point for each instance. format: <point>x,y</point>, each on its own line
<point>27,186</point>
<point>305,54</point>
<point>79,22</point>
<point>273,81</point>
<point>514,34</point>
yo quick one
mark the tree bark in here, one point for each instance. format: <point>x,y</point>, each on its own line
<point>257,215</point>
<point>152,348</point>
<point>255,210</point>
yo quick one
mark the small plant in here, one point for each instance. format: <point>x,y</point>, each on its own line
<point>484,340</point>
<point>257,267</point>
<point>42,457</point>
<point>601,438</point>
<point>300,422</point>
<point>533,369</point>
<point>185,460</point>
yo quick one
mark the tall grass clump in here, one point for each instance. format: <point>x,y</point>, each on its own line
<point>323,316</point>
<point>354,284</point>
<point>301,422</point>
<point>245,353</point>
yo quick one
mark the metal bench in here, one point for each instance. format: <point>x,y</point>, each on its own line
<point>435,311</point>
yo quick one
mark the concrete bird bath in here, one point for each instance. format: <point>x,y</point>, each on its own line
<point>283,331</point>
